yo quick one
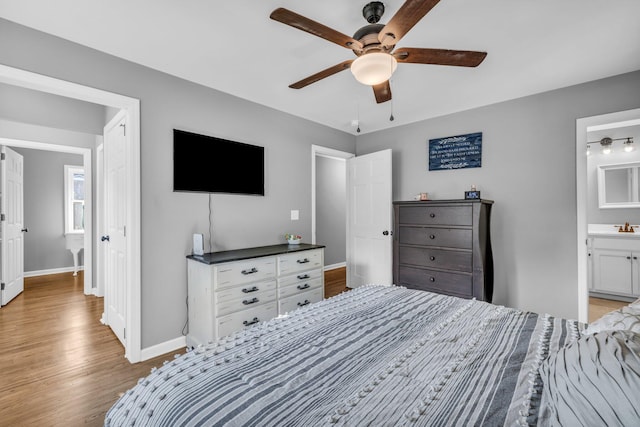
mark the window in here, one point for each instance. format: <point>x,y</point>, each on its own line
<point>73,199</point>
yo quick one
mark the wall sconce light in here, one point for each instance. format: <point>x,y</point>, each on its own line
<point>607,144</point>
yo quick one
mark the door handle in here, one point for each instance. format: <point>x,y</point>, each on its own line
<point>387,232</point>
<point>25,230</point>
<point>105,238</point>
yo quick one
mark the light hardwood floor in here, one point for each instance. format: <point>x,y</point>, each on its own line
<point>59,366</point>
<point>599,307</point>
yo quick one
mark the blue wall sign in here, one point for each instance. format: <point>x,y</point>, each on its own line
<point>456,152</point>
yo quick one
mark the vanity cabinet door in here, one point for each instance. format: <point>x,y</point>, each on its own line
<point>612,271</point>
<point>635,273</point>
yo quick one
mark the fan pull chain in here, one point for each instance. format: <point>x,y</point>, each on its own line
<point>391,118</point>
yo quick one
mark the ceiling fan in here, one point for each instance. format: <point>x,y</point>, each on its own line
<point>374,45</point>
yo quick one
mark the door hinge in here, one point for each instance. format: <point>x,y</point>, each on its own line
<point>2,217</point>
<point>124,231</point>
<point>3,156</point>
<point>2,286</point>
<point>124,332</point>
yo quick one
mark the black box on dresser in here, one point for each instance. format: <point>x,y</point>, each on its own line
<point>444,246</point>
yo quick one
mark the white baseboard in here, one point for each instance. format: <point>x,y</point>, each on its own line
<point>162,348</point>
<point>35,273</point>
<point>334,266</point>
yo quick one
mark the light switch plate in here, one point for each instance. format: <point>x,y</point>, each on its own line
<point>295,215</point>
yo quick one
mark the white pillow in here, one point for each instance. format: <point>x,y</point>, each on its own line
<point>625,318</point>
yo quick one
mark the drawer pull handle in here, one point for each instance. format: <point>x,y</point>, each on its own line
<point>432,258</point>
<point>304,276</point>
<point>305,286</point>
<point>254,289</point>
<point>628,257</point>
<point>432,236</point>
<point>303,261</point>
<point>432,279</point>
<point>250,301</point>
<point>253,270</point>
<point>302,304</point>
<point>432,215</point>
<point>252,322</point>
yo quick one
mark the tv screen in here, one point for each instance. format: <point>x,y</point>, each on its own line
<point>214,165</point>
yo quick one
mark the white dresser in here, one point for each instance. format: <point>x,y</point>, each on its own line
<point>232,290</point>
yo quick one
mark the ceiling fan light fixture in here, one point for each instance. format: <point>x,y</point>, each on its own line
<point>373,68</point>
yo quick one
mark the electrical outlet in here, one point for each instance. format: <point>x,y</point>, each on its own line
<point>295,215</point>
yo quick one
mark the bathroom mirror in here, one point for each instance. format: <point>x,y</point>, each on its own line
<point>618,186</point>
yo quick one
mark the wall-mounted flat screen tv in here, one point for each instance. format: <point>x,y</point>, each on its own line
<point>208,164</point>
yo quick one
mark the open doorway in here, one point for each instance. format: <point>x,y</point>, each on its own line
<point>328,209</point>
<point>85,155</point>
<point>607,269</point>
<point>131,107</point>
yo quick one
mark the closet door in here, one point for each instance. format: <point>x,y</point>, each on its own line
<point>369,243</point>
<point>12,224</point>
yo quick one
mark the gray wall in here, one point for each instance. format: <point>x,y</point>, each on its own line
<point>169,219</point>
<point>529,169</point>
<point>595,215</point>
<point>44,244</point>
<point>331,219</point>
<point>35,107</point>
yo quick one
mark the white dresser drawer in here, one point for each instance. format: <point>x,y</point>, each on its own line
<point>301,276</point>
<point>226,325</point>
<point>299,261</point>
<point>246,290</point>
<point>244,271</point>
<point>286,305</point>
<point>299,287</point>
<point>227,307</point>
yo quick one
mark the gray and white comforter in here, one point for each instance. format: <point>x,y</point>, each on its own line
<point>374,356</point>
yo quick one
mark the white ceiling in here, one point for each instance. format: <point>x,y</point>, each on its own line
<point>533,46</point>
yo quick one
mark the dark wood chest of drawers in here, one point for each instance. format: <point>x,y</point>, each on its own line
<point>444,246</point>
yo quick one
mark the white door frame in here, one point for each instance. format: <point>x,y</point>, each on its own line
<point>88,197</point>
<point>27,79</point>
<point>99,228</point>
<point>319,151</point>
<point>582,126</point>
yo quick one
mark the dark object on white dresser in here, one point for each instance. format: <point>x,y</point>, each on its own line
<point>444,246</point>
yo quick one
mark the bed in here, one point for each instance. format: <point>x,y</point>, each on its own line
<point>390,356</point>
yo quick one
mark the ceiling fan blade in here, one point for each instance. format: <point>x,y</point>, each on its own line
<point>322,74</point>
<point>382,92</point>
<point>312,27</point>
<point>405,18</point>
<point>461,58</point>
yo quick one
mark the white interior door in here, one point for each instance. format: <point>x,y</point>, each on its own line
<point>12,225</point>
<point>115,301</point>
<point>369,213</point>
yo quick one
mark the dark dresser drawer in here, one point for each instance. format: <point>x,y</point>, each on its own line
<point>438,258</point>
<point>436,215</point>
<point>428,236</point>
<point>456,284</point>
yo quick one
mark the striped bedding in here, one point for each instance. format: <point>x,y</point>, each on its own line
<point>375,356</point>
